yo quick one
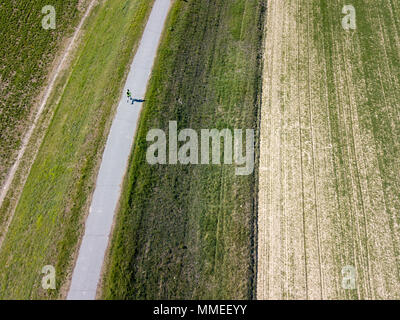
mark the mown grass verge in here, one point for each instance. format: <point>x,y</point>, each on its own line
<point>49,216</point>
<point>186,231</point>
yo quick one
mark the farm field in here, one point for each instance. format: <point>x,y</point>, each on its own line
<point>186,231</point>
<point>318,218</point>
<point>48,219</point>
<point>329,182</point>
<point>27,52</point>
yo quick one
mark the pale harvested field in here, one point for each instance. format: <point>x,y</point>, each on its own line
<point>329,185</point>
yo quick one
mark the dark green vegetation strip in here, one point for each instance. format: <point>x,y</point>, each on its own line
<point>186,231</point>
<point>48,219</point>
<point>26,51</point>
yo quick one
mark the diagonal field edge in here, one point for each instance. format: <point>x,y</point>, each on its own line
<point>27,137</point>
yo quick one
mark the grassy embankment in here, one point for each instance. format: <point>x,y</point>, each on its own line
<point>26,53</point>
<point>330,133</point>
<point>187,231</point>
<point>49,216</point>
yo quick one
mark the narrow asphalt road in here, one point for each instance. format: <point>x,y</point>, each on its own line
<point>86,275</point>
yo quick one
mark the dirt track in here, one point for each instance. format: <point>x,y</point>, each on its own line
<point>60,65</point>
<point>329,170</point>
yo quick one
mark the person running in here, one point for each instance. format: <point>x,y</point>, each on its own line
<point>129,95</point>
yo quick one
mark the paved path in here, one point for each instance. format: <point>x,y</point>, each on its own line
<point>86,275</point>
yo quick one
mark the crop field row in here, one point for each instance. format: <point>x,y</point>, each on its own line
<point>26,53</point>
<point>49,217</point>
<point>185,231</point>
<point>329,182</point>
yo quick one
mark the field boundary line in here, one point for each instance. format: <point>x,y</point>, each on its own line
<point>314,154</point>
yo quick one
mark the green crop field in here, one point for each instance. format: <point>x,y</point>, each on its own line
<point>329,182</point>
<point>186,231</point>
<point>48,219</point>
<point>26,52</point>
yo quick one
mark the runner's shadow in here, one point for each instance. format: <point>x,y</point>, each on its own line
<point>137,100</point>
